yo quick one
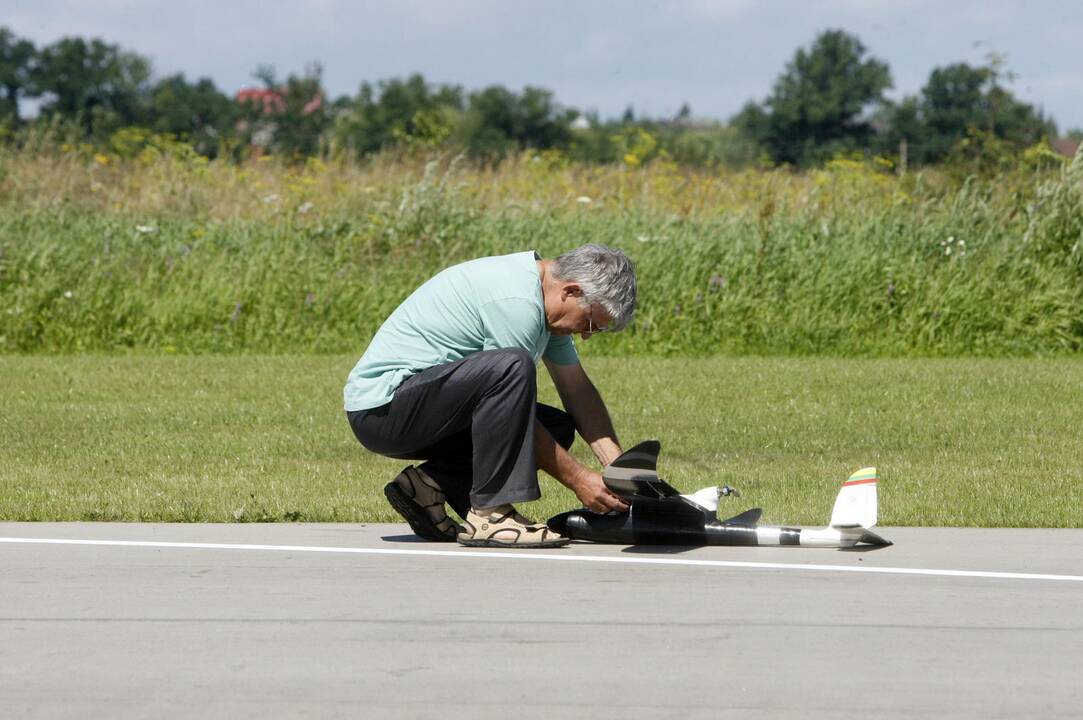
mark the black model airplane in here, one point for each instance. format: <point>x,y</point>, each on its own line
<point>660,515</point>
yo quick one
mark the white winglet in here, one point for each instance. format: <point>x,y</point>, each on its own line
<point>707,498</point>
<point>855,505</point>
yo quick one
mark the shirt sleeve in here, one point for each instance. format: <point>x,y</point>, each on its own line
<point>510,323</point>
<point>561,350</point>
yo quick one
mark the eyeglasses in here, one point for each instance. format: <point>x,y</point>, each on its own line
<point>591,330</point>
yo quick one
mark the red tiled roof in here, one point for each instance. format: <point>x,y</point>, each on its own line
<point>272,101</point>
<point>1065,146</point>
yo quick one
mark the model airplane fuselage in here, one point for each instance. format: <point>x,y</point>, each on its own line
<point>659,515</point>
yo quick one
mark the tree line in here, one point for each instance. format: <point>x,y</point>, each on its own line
<point>829,99</point>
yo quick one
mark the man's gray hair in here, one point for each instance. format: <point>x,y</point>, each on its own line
<point>606,276</point>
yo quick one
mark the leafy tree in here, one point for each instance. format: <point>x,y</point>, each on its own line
<point>196,112</point>
<point>815,108</point>
<point>1015,121</point>
<point>16,66</point>
<point>754,123</point>
<point>499,121</point>
<point>408,112</point>
<point>961,104</point>
<point>99,85</point>
<point>952,100</point>
<point>288,118</point>
<point>899,123</point>
<point>301,125</point>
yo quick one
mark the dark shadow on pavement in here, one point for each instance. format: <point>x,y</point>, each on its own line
<point>407,539</point>
<point>659,549</point>
<point>863,548</point>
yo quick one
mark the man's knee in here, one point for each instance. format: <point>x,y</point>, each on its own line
<point>560,424</point>
<point>513,363</point>
<point>564,434</point>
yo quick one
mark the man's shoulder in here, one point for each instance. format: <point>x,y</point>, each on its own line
<point>520,261</point>
<point>502,277</point>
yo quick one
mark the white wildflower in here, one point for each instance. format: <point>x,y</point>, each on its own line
<point>272,198</point>
<point>69,294</point>
<point>305,208</point>
<point>146,229</point>
<point>583,200</point>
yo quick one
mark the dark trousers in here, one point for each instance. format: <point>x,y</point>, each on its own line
<point>472,421</point>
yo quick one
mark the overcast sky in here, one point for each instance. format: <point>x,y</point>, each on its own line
<point>600,55</point>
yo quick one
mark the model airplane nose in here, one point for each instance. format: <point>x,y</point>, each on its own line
<point>559,523</point>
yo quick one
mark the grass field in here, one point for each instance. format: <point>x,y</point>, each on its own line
<point>251,438</point>
<point>176,270</point>
<point>161,254</point>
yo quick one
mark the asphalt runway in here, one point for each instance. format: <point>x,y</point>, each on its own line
<point>237,621</point>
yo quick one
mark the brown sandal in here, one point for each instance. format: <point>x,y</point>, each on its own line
<point>504,527</point>
<point>420,501</point>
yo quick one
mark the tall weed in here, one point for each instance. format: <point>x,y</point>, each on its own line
<point>158,250</point>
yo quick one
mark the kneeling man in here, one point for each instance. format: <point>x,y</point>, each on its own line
<point>450,378</point>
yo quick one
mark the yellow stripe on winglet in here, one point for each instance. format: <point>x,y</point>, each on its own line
<point>868,473</point>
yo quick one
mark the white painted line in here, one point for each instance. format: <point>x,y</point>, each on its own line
<point>569,557</point>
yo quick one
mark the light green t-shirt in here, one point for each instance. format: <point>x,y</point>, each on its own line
<point>484,304</point>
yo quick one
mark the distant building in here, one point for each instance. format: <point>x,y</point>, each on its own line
<point>271,100</point>
<point>1065,146</point>
<point>312,105</point>
<point>270,103</point>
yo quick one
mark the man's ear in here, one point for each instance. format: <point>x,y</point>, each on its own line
<point>571,290</point>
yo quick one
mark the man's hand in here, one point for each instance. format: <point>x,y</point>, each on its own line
<point>592,492</point>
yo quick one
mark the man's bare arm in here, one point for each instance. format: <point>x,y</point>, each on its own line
<point>584,403</point>
<point>587,484</point>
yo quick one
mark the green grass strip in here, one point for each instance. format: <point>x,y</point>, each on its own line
<point>263,438</point>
